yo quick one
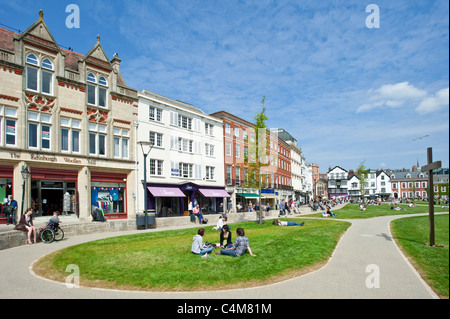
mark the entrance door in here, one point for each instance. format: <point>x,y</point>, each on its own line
<point>52,200</point>
<point>48,196</point>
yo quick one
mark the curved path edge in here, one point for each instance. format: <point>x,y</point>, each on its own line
<point>366,263</point>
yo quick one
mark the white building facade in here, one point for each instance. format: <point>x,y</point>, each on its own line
<point>186,161</point>
<point>377,185</point>
<point>337,183</point>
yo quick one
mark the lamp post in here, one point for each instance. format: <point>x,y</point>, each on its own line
<point>25,174</point>
<point>146,147</point>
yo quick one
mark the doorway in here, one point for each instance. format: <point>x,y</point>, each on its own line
<point>48,196</point>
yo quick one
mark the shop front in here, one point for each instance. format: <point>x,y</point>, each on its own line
<point>168,200</point>
<point>109,194</point>
<point>54,190</point>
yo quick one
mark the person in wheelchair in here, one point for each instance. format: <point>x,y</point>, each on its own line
<point>54,220</point>
<point>52,231</point>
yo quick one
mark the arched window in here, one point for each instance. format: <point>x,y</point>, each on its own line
<point>32,72</point>
<point>47,64</point>
<point>102,81</point>
<point>32,59</point>
<point>91,78</point>
<point>39,77</point>
<point>97,91</point>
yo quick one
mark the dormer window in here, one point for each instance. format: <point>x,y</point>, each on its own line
<point>97,90</point>
<point>39,76</point>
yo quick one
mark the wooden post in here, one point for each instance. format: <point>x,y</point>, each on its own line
<point>430,167</point>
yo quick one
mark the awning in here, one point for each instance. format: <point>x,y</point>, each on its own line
<point>167,191</point>
<point>248,195</point>
<point>213,192</point>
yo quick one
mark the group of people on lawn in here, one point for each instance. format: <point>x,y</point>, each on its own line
<point>240,246</point>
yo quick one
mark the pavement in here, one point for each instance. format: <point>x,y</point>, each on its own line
<point>366,264</point>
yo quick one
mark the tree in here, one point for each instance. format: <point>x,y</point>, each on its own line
<point>363,174</point>
<point>258,156</point>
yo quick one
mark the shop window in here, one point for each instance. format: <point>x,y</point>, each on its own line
<point>5,189</point>
<point>109,199</point>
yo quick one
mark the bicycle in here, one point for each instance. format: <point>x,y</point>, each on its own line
<point>51,232</point>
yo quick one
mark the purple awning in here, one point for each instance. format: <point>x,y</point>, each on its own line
<point>214,192</point>
<point>166,191</point>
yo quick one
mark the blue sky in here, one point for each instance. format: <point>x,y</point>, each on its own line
<point>346,92</point>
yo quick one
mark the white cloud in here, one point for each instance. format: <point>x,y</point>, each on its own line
<point>434,103</point>
<point>404,93</point>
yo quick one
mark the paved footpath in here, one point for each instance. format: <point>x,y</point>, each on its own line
<point>366,264</point>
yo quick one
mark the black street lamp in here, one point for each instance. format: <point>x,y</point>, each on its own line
<point>146,147</point>
<point>25,174</point>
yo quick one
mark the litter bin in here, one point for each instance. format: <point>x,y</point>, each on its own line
<point>140,218</point>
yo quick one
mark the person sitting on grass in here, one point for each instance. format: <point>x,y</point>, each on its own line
<point>278,222</point>
<point>220,223</point>
<point>198,246</point>
<point>225,235</point>
<point>330,213</point>
<point>241,245</point>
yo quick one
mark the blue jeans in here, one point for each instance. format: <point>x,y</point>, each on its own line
<point>293,224</point>
<point>200,217</point>
<point>204,251</point>
<point>227,252</point>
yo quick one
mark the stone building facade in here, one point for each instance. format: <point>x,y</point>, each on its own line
<point>68,120</point>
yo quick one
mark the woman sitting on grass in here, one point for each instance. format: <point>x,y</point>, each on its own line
<point>197,244</point>
<point>241,245</point>
<point>225,235</point>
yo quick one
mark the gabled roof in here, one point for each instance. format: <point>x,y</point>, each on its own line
<point>338,167</point>
<point>97,57</point>
<point>39,34</point>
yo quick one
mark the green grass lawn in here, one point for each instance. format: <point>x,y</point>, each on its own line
<point>351,211</point>
<point>163,260</point>
<point>412,235</point>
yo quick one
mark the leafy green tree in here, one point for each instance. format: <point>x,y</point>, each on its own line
<point>257,155</point>
<point>363,175</point>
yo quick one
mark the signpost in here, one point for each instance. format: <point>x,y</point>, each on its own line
<point>429,168</point>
